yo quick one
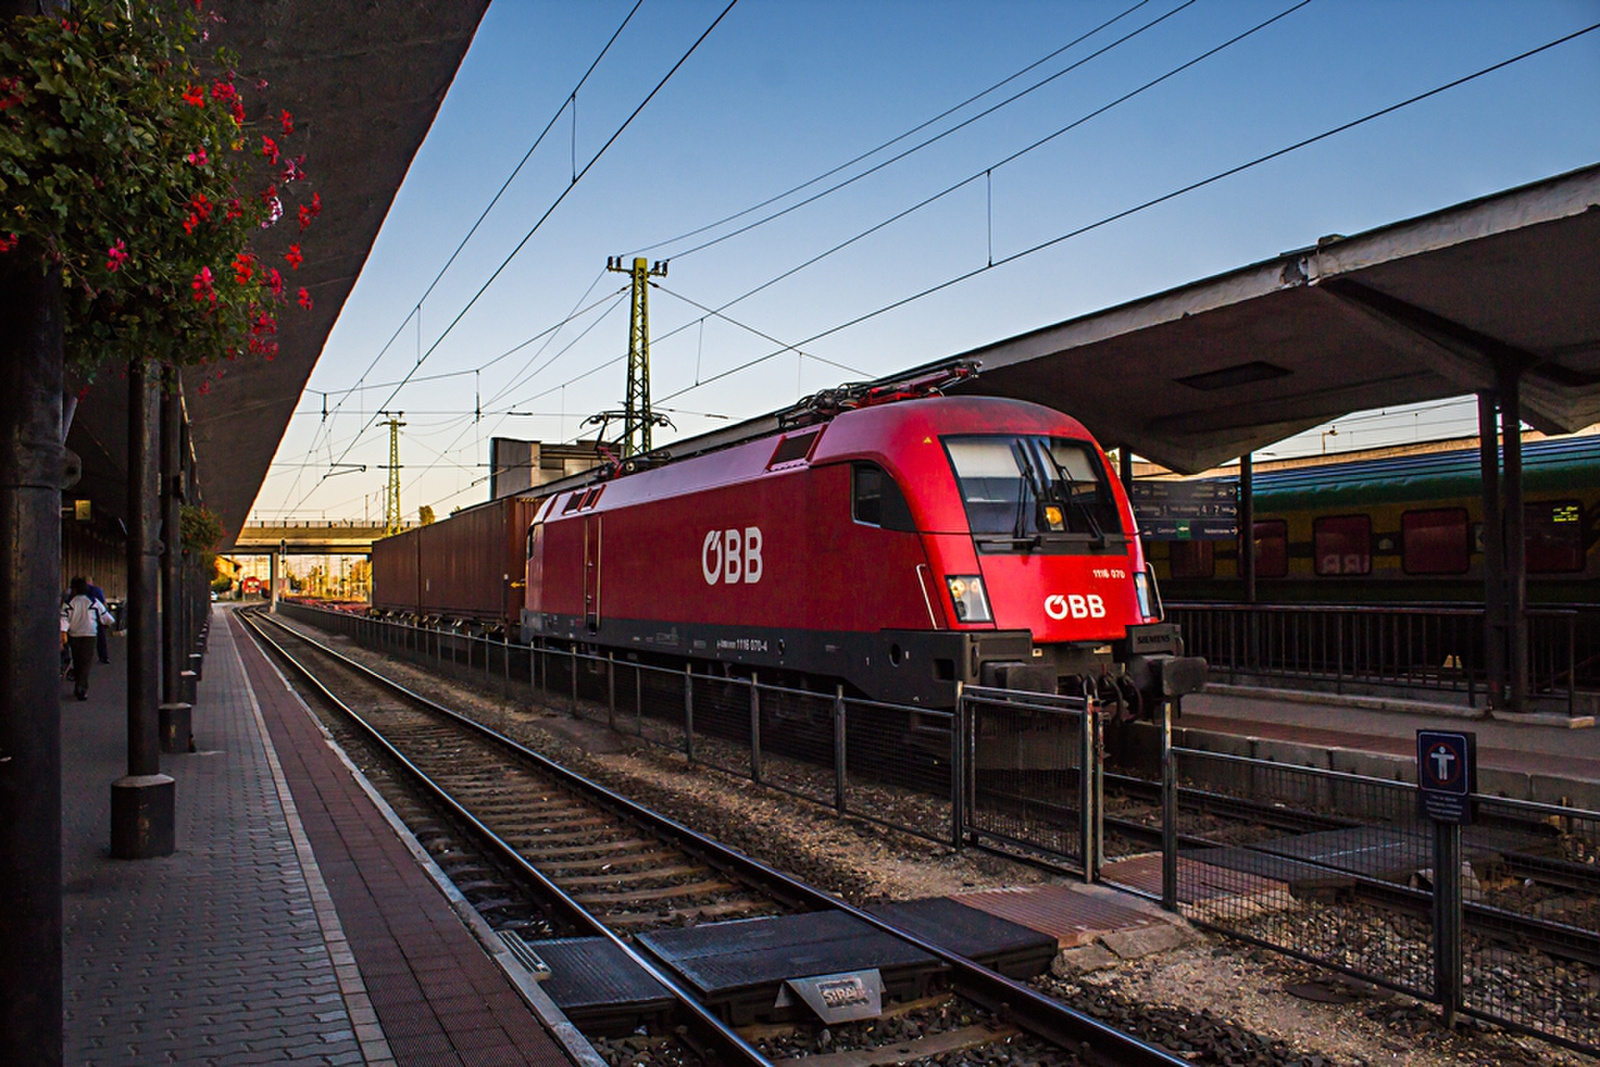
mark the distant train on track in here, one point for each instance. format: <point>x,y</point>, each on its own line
<point>886,538</point>
<point>1402,529</point>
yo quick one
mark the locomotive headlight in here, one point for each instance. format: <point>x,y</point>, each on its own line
<point>966,592</point>
<point>1144,587</point>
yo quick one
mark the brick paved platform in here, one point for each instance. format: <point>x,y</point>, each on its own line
<point>291,924</point>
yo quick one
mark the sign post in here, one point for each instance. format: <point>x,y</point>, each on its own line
<point>1447,776</point>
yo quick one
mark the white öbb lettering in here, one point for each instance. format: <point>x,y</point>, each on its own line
<point>731,556</point>
<point>1075,604</point>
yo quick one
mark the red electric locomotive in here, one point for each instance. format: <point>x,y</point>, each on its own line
<point>897,547</point>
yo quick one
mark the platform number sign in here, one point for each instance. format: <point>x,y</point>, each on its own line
<point>1447,774</point>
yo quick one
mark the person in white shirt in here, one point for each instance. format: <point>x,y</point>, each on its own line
<point>81,618</point>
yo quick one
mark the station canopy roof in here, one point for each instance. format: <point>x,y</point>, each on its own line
<point>364,82</point>
<point>1417,310</point>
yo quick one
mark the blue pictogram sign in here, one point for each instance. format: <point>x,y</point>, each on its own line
<point>1447,774</point>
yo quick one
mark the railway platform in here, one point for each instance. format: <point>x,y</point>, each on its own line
<point>291,923</point>
<point>1562,750</point>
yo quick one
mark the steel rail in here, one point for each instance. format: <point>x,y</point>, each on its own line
<point>1007,998</point>
<point>720,1037</point>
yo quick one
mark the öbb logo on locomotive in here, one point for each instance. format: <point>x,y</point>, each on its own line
<point>1077,605</point>
<point>732,556</point>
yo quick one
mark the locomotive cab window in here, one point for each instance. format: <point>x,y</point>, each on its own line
<point>1022,493</point>
<point>1342,545</point>
<point>877,501</point>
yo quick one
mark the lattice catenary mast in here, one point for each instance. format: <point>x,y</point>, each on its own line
<point>637,419</point>
<point>391,496</point>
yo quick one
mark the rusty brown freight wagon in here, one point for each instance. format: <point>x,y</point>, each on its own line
<point>468,568</point>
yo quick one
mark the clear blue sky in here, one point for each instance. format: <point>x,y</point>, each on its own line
<point>784,90</point>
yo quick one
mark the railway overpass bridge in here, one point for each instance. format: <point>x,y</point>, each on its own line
<point>308,537</point>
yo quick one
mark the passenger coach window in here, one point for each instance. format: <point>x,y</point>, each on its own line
<point>877,500</point>
<point>1342,545</point>
<point>1192,559</point>
<point>1272,548</point>
<point>1554,533</point>
<point>1434,541</point>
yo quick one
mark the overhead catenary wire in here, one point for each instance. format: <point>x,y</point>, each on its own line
<point>869,153</point>
<point>1152,202</point>
<point>560,198</point>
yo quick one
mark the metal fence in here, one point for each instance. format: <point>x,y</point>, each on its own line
<point>1427,648</point>
<point>1342,870</point>
<point>1027,787</point>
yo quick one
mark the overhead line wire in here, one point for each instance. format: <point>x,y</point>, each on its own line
<point>898,137</point>
<point>936,137</point>
<point>558,201</point>
<point>1153,202</point>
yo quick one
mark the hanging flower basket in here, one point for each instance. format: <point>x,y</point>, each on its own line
<point>137,162</point>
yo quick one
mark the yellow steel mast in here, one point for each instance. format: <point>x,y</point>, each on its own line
<point>637,419</point>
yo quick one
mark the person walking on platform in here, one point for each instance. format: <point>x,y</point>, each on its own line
<point>82,618</point>
<point>102,644</point>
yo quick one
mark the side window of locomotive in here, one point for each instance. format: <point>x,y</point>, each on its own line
<point>1434,541</point>
<point>877,501</point>
<point>1272,548</point>
<point>1342,545</point>
<point>1554,536</point>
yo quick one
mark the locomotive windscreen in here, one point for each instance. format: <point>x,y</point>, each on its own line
<point>1034,488</point>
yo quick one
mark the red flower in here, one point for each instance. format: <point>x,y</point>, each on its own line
<point>244,267</point>
<point>223,91</point>
<point>274,281</point>
<point>288,124</point>
<point>234,210</point>
<point>264,323</point>
<point>294,257</point>
<point>195,96</point>
<point>311,211</point>
<point>305,298</point>
<point>201,206</point>
<point>202,286</point>
<point>191,222</point>
<point>13,94</point>
<point>269,150</point>
<point>7,242</point>
<point>205,387</point>
<point>116,256</point>
<point>197,158</point>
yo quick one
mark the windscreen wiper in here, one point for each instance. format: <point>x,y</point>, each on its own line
<point>1062,491</point>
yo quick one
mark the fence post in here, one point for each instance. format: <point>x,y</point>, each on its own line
<point>755,729</point>
<point>1169,812</point>
<point>839,769</point>
<point>611,689</point>
<point>958,769</point>
<point>574,679</point>
<point>688,710</point>
<point>1086,806</point>
<point>1447,919</point>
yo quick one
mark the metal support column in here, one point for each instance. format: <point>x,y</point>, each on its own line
<point>174,720</point>
<point>1494,557</point>
<point>143,815</point>
<point>1516,554</point>
<point>31,464</point>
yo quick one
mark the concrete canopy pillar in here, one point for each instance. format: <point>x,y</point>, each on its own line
<point>143,804</point>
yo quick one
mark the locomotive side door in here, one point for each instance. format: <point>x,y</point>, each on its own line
<point>591,573</point>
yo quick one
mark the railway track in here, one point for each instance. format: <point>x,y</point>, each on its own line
<point>586,859</point>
